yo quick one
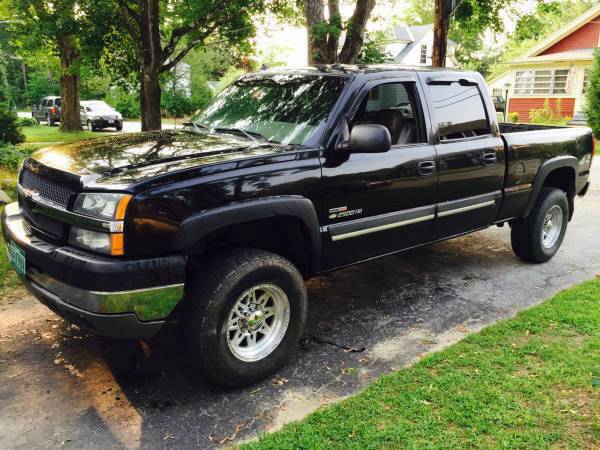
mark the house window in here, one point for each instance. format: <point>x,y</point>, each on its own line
<point>586,80</point>
<point>541,82</point>
<point>423,59</point>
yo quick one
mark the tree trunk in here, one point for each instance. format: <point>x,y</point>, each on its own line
<point>150,99</point>
<point>355,35</point>
<point>151,63</point>
<point>333,39</point>
<point>440,32</point>
<point>24,73</point>
<point>70,119</point>
<point>317,38</point>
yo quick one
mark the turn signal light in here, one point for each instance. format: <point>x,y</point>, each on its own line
<point>116,244</point>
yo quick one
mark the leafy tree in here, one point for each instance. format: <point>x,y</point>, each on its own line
<point>372,51</point>
<point>53,25</point>
<point>160,34</point>
<point>592,96</point>
<point>324,34</point>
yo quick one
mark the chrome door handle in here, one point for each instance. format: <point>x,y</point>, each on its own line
<point>426,168</point>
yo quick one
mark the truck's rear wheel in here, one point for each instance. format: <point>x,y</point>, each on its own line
<point>538,238</point>
<point>244,315</point>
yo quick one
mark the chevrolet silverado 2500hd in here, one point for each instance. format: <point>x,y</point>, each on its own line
<point>287,174</point>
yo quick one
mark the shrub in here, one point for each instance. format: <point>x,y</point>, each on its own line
<point>10,133</point>
<point>176,104</point>
<point>514,117</point>
<point>27,122</point>
<point>592,96</point>
<point>548,115</point>
<point>12,155</point>
<point>127,103</point>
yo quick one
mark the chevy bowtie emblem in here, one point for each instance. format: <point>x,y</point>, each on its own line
<point>33,195</point>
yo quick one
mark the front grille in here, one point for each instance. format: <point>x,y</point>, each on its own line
<point>50,190</point>
<point>43,223</point>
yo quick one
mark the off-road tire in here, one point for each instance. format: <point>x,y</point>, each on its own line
<point>119,126</point>
<point>211,295</point>
<point>526,235</point>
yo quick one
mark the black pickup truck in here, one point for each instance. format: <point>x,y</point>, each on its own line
<point>287,174</point>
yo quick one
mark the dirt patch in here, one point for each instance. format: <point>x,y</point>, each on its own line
<point>296,405</point>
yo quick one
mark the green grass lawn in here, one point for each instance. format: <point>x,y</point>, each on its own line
<point>528,382</point>
<point>43,133</point>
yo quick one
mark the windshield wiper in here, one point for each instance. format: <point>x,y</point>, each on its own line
<point>252,135</point>
<point>197,126</point>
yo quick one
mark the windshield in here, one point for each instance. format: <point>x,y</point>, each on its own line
<point>284,108</point>
<point>98,106</point>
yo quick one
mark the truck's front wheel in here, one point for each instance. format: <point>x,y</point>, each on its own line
<point>539,236</point>
<point>244,316</point>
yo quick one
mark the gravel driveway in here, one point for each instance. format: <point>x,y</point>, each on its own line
<point>60,386</point>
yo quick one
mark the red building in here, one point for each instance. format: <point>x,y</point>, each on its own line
<point>556,70</point>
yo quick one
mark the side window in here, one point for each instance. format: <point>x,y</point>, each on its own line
<point>393,106</point>
<point>44,102</point>
<point>459,111</point>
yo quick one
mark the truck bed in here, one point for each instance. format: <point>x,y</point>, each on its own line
<point>509,127</point>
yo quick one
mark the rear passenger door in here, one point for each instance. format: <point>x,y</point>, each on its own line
<point>470,157</point>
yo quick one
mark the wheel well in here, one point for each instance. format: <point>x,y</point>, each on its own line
<point>284,235</point>
<point>563,178</point>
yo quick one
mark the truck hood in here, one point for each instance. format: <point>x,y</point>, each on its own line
<point>130,158</point>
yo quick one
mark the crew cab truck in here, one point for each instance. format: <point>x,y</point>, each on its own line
<point>287,174</point>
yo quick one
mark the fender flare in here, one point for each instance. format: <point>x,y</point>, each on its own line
<point>545,169</point>
<point>200,224</point>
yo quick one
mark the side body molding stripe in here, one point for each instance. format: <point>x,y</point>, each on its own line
<point>382,222</point>
<point>368,225</point>
<point>468,204</point>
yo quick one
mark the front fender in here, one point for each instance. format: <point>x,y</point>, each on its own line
<point>200,224</point>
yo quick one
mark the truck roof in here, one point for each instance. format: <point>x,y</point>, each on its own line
<point>351,69</point>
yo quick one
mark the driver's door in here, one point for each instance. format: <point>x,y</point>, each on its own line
<point>377,203</point>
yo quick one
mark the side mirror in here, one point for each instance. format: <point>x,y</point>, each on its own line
<point>369,138</point>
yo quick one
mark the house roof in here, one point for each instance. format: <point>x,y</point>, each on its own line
<point>560,34</point>
<point>583,54</point>
<point>412,35</point>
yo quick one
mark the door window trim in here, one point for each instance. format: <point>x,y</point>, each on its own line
<point>440,81</point>
<point>414,98</point>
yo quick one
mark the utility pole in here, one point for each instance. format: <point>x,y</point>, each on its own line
<point>443,11</point>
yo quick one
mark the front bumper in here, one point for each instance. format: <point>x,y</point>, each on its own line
<point>105,123</point>
<point>114,297</point>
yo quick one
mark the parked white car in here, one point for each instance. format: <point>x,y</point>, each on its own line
<point>96,115</point>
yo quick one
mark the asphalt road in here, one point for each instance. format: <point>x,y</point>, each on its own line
<point>61,387</point>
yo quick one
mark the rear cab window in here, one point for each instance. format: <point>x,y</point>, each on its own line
<point>459,111</point>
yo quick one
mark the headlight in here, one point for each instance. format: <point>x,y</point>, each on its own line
<point>119,116</point>
<point>96,241</point>
<point>96,118</point>
<point>102,205</point>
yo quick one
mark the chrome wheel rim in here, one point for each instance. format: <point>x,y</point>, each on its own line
<point>257,322</point>
<point>552,226</point>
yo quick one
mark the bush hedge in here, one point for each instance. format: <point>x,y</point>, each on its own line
<point>10,131</point>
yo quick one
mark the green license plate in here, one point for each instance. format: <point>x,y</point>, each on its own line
<point>16,255</point>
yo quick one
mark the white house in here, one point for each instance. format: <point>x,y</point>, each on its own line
<point>413,46</point>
